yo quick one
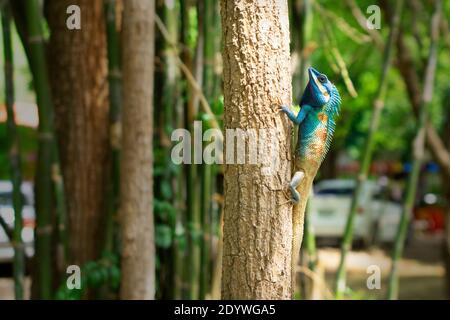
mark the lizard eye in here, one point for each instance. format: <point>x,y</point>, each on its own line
<point>322,78</point>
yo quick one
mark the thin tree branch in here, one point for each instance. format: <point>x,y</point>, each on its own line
<point>367,155</point>
<point>405,65</point>
<point>418,151</point>
<point>445,32</point>
<point>5,227</point>
<point>314,276</point>
<point>362,21</point>
<point>332,45</point>
<point>203,102</point>
<point>347,29</point>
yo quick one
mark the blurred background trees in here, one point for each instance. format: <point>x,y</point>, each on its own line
<point>72,82</point>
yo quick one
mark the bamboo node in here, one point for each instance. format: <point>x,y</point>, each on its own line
<point>115,135</point>
<point>379,104</point>
<point>115,73</point>
<point>44,230</point>
<point>36,39</point>
<point>17,244</point>
<point>56,175</point>
<point>45,136</point>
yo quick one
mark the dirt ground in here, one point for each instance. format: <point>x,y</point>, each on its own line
<point>421,271</point>
<point>7,284</point>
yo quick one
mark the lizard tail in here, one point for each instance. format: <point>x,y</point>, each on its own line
<point>298,214</point>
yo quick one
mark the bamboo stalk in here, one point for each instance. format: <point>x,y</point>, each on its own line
<point>22,25</point>
<point>211,34</point>
<point>61,210</point>
<point>310,241</point>
<point>115,99</point>
<point>351,32</point>
<point>185,58</point>
<point>6,228</point>
<point>198,68</point>
<point>334,50</point>
<point>211,83</point>
<point>418,148</point>
<point>189,77</point>
<point>14,156</point>
<point>362,21</point>
<point>171,110</point>
<point>178,253</point>
<point>378,105</point>
<point>216,280</point>
<point>405,66</point>
<point>205,272</point>
<point>193,180</point>
<point>45,153</point>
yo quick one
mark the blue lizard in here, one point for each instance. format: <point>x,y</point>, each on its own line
<point>320,105</point>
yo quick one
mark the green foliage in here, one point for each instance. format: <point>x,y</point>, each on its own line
<point>94,275</point>
<point>350,294</point>
<point>28,148</point>
<point>217,109</point>
<point>23,93</point>
<point>22,75</point>
<point>163,237</point>
<point>363,61</point>
<point>193,30</point>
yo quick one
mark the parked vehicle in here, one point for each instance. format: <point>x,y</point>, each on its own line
<point>28,216</point>
<point>376,217</point>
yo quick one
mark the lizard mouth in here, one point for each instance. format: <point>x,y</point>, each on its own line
<point>320,86</point>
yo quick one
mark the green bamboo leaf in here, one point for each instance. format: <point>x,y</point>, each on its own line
<point>163,237</point>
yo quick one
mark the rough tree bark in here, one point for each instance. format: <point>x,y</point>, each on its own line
<point>138,251</point>
<point>257,218</point>
<point>78,74</point>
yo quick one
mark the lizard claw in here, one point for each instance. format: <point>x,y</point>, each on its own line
<point>291,199</point>
<point>286,195</point>
<point>283,108</point>
<point>280,106</point>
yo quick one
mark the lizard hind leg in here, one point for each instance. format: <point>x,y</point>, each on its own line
<point>295,182</point>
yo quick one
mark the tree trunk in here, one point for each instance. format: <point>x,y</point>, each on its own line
<point>193,184</point>
<point>211,89</point>
<point>138,252</point>
<point>257,246</point>
<point>78,70</point>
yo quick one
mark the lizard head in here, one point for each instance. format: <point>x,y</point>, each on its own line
<point>319,89</point>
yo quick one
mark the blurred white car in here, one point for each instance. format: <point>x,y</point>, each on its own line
<point>28,217</point>
<point>376,218</point>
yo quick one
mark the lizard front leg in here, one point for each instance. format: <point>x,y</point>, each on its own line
<point>299,175</point>
<point>301,115</point>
